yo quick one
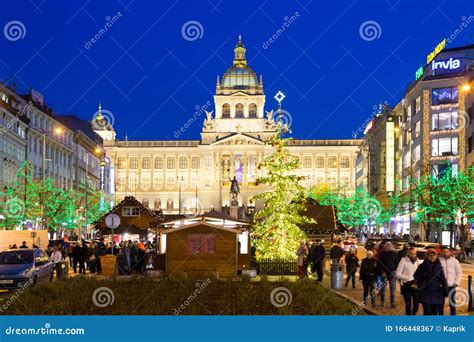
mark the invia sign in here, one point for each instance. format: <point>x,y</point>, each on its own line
<point>446,65</point>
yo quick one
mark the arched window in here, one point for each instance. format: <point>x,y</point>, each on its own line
<point>169,203</point>
<point>226,111</point>
<point>145,202</point>
<point>157,204</point>
<point>239,110</point>
<point>252,110</point>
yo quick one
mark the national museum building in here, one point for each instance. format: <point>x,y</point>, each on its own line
<point>178,175</point>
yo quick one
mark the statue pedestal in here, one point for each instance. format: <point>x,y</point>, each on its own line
<point>234,209</point>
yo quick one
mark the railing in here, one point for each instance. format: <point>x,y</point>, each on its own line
<point>277,266</point>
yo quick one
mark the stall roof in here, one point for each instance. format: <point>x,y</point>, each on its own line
<point>211,217</point>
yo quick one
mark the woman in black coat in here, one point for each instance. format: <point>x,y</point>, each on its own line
<point>432,284</point>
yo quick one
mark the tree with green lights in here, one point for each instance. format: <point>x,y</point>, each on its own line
<point>277,231</point>
<point>28,200</point>
<point>353,211</point>
<point>441,199</point>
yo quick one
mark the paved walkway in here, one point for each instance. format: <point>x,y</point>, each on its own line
<point>356,295</point>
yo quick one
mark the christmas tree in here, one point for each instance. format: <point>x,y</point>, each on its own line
<point>277,231</point>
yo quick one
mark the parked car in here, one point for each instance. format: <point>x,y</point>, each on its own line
<point>18,267</point>
<point>422,247</point>
<point>349,243</point>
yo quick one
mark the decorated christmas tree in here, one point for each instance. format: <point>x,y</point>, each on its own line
<point>277,231</point>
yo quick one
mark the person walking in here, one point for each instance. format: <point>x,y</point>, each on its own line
<point>56,258</point>
<point>318,253</point>
<point>302,252</point>
<point>403,252</point>
<point>134,256</point>
<point>405,273</point>
<point>83,257</point>
<point>368,276</point>
<point>336,253</point>
<point>453,274</point>
<point>76,252</point>
<point>432,284</point>
<point>387,265</point>
<point>352,263</point>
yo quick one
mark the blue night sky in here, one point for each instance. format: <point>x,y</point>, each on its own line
<point>151,79</point>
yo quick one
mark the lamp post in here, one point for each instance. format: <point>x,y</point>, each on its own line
<point>57,131</point>
<point>179,192</point>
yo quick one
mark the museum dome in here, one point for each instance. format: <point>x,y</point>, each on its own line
<point>239,75</point>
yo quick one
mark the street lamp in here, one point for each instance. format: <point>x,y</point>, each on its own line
<point>180,179</point>
<point>58,130</point>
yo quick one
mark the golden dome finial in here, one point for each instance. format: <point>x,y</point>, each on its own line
<point>239,51</point>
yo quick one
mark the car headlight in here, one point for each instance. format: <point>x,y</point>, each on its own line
<point>27,272</point>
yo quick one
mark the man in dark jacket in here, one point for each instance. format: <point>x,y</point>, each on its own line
<point>76,252</point>
<point>432,284</point>
<point>336,253</point>
<point>403,252</point>
<point>387,265</point>
<point>317,254</point>
<point>368,276</point>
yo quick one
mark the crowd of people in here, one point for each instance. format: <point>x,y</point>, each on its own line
<point>429,282</point>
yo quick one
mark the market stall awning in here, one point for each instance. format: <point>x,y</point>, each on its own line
<point>123,229</point>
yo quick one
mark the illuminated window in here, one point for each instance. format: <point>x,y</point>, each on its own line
<point>252,110</point>
<point>158,163</point>
<point>183,163</point>
<point>417,104</point>
<point>170,181</point>
<point>239,110</point>
<point>132,183</point>
<point>444,147</point>
<point>226,111</point>
<point>332,161</point>
<point>417,128</point>
<point>307,162</point>
<point>344,162</point>
<point>158,182</point>
<point>441,96</point>
<point>195,163</point>
<point>145,202</point>
<point>145,183</point>
<point>157,204</point>
<point>121,163</point>
<point>134,162</point>
<point>169,203</point>
<point>320,162</point>
<point>145,162</point>
<point>201,243</point>
<point>130,211</point>
<point>444,121</point>
<point>170,163</point>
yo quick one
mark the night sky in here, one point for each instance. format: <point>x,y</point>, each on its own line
<point>150,76</point>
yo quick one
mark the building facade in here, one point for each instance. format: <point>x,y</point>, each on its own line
<point>182,175</point>
<point>433,128</point>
